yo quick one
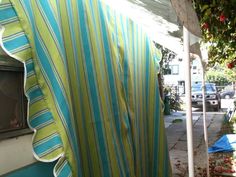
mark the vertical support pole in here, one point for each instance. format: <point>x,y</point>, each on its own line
<point>189,121</point>
<point>204,118</point>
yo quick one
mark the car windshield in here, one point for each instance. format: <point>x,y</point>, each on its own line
<point>198,88</point>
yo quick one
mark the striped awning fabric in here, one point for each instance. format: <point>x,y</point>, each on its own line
<point>91,82</point>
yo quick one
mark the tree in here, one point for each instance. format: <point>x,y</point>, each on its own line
<point>167,56</point>
<point>217,77</point>
<point>218,23</point>
<point>221,75</point>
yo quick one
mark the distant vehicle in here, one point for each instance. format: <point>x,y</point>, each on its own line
<point>212,96</point>
<point>227,94</point>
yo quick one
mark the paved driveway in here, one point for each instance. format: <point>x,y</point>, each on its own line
<point>177,139</point>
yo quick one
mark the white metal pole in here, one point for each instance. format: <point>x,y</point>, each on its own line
<point>189,122</point>
<point>204,118</point>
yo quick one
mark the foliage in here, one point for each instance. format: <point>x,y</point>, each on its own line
<point>167,57</point>
<point>230,74</point>
<point>218,23</point>
<point>220,75</point>
<point>174,100</point>
<point>217,78</point>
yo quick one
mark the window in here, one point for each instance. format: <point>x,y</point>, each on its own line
<point>13,103</point>
<point>172,70</point>
<point>167,71</point>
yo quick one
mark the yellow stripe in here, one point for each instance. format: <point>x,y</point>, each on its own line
<point>78,95</point>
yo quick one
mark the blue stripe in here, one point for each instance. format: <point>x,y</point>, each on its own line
<point>121,158</point>
<point>132,43</point>
<point>146,97</point>
<point>41,119</point>
<point>7,14</point>
<point>65,171</point>
<point>34,93</point>
<point>53,24</point>
<point>57,91</point>
<point>156,131</point>
<point>30,67</point>
<point>44,60</point>
<point>122,161</point>
<point>126,75</point>
<point>113,90</point>
<point>71,24</point>
<point>53,141</point>
<point>136,137</point>
<point>144,106</point>
<point>76,57</point>
<point>112,84</point>
<point>75,52</point>
<point>156,62</point>
<point>147,68</point>
<point>58,94</point>
<point>126,62</point>
<point>93,92</point>
<point>26,4</point>
<point>139,84</point>
<point>16,42</point>
<point>54,83</point>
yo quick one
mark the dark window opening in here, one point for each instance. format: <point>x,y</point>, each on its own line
<point>13,103</point>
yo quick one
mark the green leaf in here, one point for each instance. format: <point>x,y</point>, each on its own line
<point>221,35</point>
<point>214,2</point>
<point>234,20</point>
<point>207,13</point>
<point>204,7</point>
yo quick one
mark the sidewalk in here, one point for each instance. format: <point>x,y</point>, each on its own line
<point>177,140</point>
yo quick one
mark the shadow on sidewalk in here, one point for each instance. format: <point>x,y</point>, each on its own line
<point>177,140</point>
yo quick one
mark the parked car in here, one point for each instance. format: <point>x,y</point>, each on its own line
<point>227,94</point>
<point>212,96</point>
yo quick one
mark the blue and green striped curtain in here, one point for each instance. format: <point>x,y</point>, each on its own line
<point>91,82</point>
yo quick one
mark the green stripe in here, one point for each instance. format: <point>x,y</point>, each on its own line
<point>92,81</point>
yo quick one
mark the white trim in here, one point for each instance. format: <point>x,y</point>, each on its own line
<point>15,153</point>
<point>204,118</point>
<point>189,121</point>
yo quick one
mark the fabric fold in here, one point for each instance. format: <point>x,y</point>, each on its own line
<point>91,81</point>
<point>47,144</point>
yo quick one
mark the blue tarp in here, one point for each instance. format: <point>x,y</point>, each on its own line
<point>226,143</point>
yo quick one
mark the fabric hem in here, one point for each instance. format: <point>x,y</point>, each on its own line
<point>60,156</point>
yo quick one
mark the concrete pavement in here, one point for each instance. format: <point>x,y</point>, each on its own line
<point>177,140</point>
